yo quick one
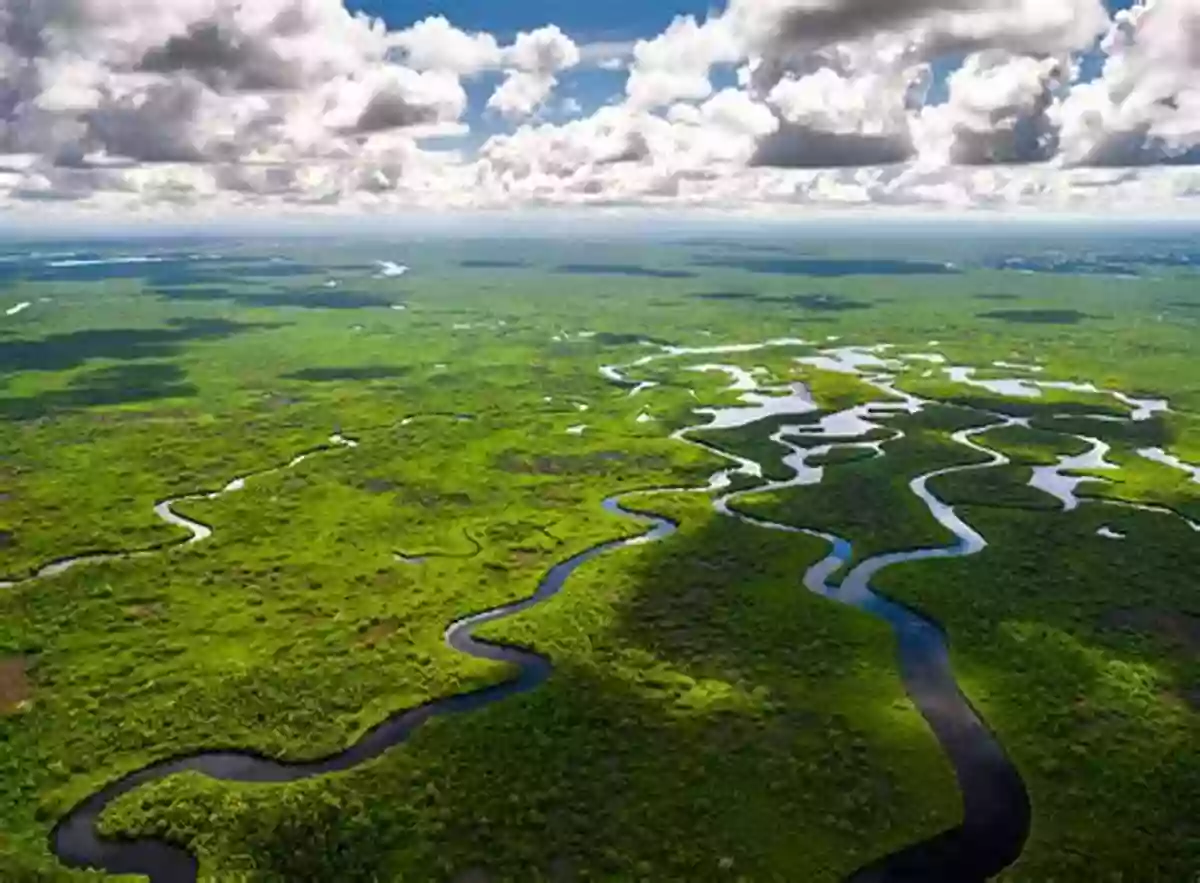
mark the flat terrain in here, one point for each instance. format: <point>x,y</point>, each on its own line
<point>288,470</point>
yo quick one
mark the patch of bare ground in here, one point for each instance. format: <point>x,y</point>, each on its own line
<point>380,631</point>
<point>15,689</point>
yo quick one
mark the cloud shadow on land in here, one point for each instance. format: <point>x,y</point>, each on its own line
<point>492,264</point>
<point>60,352</point>
<point>112,385</point>
<point>355,372</point>
<point>726,295</point>
<point>1037,317</point>
<point>171,270</point>
<point>1071,418</point>
<point>705,716</point>
<point>823,303</point>
<point>318,299</point>
<point>622,270</point>
<point>560,783</point>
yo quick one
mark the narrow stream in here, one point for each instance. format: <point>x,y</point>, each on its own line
<point>996,810</point>
<point>75,839</point>
<point>165,510</point>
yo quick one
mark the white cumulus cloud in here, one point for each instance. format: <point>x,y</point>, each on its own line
<point>227,105</point>
<point>435,44</point>
<point>997,112</point>
<point>534,62</point>
<point>677,64</point>
<point>1145,107</point>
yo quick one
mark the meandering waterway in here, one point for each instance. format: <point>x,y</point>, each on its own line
<point>996,809</point>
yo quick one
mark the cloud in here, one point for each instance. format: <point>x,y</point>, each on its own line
<point>1145,106</point>
<point>434,44</point>
<point>399,98</point>
<point>224,58</point>
<point>795,146</point>
<point>158,124</point>
<point>780,27</point>
<point>521,94</point>
<point>831,21</point>
<point>621,153</point>
<point>676,65</point>
<point>393,110</point>
<point>997,112</point>
<point>209,82</point>
<point>544,51</point>
<point>734,110</point>
<point>610,135</point>
<point>848,105</point>
<point>534,61</point>
<point>224,105</point>
<point>607,54</point>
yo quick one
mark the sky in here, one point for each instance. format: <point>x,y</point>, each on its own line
<point>209,109</point>
<point>585,22</point>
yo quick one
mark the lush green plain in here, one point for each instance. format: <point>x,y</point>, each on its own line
<point>707,718</point>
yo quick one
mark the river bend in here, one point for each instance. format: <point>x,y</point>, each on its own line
<point>996,809</point>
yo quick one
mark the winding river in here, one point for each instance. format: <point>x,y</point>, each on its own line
<point>996,809</point>
<point>77,843</point>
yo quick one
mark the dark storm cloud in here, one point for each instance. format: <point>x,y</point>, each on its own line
<point>391,110</point>
<point>802,147</point>
<point>850,19</point>
<point>224,59</point>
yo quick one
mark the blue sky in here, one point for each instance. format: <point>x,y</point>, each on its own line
<point>585,22</point>
<point>322,149</point>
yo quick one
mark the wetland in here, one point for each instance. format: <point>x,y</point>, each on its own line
<point>630,562</point>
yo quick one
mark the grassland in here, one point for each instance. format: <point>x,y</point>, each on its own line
<point>707,717</point>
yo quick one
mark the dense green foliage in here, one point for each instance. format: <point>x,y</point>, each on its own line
<point>1082,655</point>
<point>868,500</point>
<point>707,717</point>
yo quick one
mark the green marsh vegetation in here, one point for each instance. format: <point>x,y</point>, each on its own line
<point>664,715</point>
<point>1081,653</point>
<point>867,500</point>
<point>707,718</point>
